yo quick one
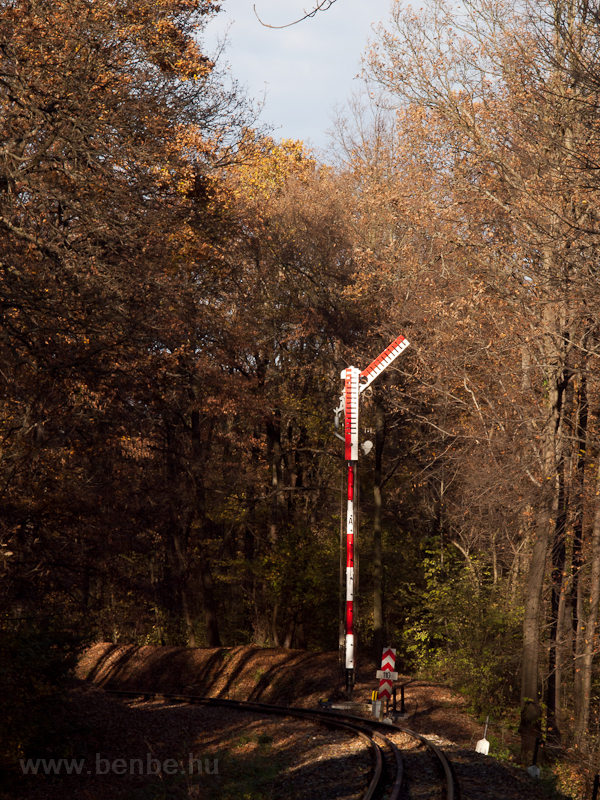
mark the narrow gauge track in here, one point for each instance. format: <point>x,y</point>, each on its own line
<point>451,793</point>
<point>367,729</point>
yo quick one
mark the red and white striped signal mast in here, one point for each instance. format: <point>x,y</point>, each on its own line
<point>355,382</point>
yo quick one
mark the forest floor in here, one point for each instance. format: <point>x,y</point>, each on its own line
<point>241,755</point>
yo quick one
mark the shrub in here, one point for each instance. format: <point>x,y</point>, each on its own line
<point>465,633</point>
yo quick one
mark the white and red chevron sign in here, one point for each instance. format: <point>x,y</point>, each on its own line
<point>386,673</point>
<point>388,659</point>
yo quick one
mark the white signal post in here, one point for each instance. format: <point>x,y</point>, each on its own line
<point>356,382</point>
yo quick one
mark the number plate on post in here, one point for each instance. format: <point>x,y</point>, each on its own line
<point>385,675</point>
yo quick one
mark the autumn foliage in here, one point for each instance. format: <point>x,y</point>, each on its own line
<point>179,293</point>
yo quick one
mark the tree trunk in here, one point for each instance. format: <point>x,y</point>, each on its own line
<point>584,665</point>
<point>213,639</point>
<point>180,575</point>
<point>289,635</point>
<point>209,603</point>
<point>558,569</point>
<point>273,429</point>
<point>577,553</point>
<point>566,435</point>
<point>274,622</point>
<point>533,596</point>
<point>552,320</point>
<point>187,618</point>
<point>562,634</point>
<point>377,543</point>
<point>274,454</point>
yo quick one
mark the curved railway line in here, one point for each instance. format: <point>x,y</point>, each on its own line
<point>388,778</point>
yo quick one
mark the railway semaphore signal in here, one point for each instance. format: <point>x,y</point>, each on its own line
<point>355,382</point>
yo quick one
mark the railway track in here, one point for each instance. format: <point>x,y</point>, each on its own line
<point>429,775</point>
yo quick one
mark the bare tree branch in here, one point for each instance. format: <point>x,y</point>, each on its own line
<point>323,5</point>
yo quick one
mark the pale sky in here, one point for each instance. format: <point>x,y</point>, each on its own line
<point>306,69</point>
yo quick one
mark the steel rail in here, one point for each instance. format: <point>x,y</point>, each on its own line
<point>325,717</point>
<point>450,793</point>
<point>332,720</point>
<point>322,718</point>
<point>450,788</point>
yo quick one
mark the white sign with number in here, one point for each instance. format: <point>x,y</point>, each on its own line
<point>386,675</point>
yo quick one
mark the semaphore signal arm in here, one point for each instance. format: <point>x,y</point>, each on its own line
<point>356,382</point>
